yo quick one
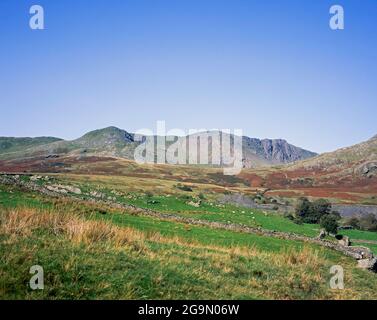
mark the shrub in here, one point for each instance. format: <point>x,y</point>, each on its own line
<point>329,223</point>
<point>289,216</point>
<point>368,222</point>
<point>303,207</point>
<point>185,197</point>
<point>298,220</point>
<point>353,222</point>
<point>320,208</point>
<point>184,187</point>
<point>312,212</point>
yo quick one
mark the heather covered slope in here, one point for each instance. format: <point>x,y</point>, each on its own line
<point>348,173</point>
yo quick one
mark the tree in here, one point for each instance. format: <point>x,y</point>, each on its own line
<point>320,208</point>
<point>303,207</point>
<point>329,223</point>
<point>312,212</point>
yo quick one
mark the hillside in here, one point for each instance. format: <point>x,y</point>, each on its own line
<point>348,173</point>
<point>350,165</point>
<point>9,145</point>
<point>116,238</point>
<point>115,142</point>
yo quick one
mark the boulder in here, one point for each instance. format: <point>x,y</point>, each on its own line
<point>345,241</point>
<point>368,264</point>
<point>322,234</point>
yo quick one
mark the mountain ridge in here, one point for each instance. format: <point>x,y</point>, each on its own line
<point>115,142</point>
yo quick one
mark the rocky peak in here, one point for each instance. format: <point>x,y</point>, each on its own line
<point>105,137</point>
<point>277,150</point>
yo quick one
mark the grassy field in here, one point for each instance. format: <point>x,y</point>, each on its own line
<point>90,251</point>
<point>164,196</point>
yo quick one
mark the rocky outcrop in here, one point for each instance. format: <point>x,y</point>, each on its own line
<point>275,150</point>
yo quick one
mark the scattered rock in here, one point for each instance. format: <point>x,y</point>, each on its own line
<point>194,204</point>
<point>56,189</point>
<point>96,194</point>
<point>64,189</point>
<point>72,189</point>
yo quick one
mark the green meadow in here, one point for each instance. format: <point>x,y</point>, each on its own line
<point>91,251</point>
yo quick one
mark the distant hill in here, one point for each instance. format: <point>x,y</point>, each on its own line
<point>11,145</point>
<point>115,142</point>
<point>358,159</point>
<point>351,169</point>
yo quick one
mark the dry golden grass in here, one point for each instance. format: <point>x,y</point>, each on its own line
<point>22,222</point>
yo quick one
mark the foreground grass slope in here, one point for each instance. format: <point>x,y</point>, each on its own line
<point>164,196</point>
<point>90,251</point>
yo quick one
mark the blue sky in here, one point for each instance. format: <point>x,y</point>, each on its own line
<point>272,68</point>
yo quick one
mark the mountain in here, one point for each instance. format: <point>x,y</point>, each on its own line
<point>12,145</point>
<point>102,138</point>
<point>115,142</point>
<point>276,151</point>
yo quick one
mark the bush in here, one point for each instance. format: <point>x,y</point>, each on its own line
<point>289,216</point>
<point>184,187</point>
<point>353,222</point>
<point>368,222</point>
<point>339,237</point>
<point>312,212</point>
<point>185,197</point>
<point>298,220</point>
<point>201,196</point>
<point>303,207</point>
<point>319,208</point>
<point>329,223</point>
